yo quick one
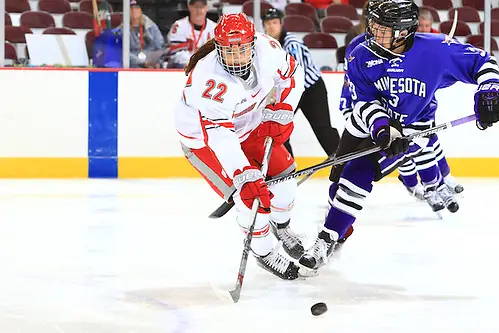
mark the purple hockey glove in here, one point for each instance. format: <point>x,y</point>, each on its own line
<point>487,104</point>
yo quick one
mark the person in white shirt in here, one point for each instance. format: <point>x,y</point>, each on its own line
<point>223,118</point>
<point>188,34</point>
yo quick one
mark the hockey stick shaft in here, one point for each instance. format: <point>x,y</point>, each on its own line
<point>226,206</point>
<point>236,293</point>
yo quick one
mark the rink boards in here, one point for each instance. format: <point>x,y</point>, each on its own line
<point>79,123</point>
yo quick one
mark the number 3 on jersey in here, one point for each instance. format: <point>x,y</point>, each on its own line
<point>222,89</point>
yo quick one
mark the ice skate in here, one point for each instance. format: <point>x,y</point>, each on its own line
<point>291,242</point>
<point>318,255</point>
<point>415,191</point>
<point>434,200</point>
<point>453,185</point>
<point>278,265</point>
<point>447,196</point>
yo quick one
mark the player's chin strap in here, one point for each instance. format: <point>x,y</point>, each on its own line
<point>226,206</point>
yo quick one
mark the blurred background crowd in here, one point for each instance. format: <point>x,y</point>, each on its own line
<point>164,33</point>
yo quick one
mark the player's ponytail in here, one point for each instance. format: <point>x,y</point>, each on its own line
<point>199,54</point>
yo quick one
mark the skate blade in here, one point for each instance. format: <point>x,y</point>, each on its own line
<point>305,272</point>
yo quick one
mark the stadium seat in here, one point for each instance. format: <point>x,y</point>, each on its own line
<point>465,14</point>
<point>89,43</point>
<point>248,7</point>
<point>494,27</point>
<point>234,2</point>
<point>477,4</point>
<point>298,23</point>
<point>320,40</point>
<point>495,13</point>
<point>478,41</point>
<point>433,11</point>
<point>10,52</point>
<point>116,19</point>
<point>303,9</point>
<point>357,3</point>
<point>16,34</point>
<point>78,20</point>
<point>17,6</point>
<point>438,4</point>
<point>37,20</point>
<point>54,6</point>
<point>462,28</point>
<point>8,21</point>
<point>333,24</point>
<point>58,31</point>
<point>347,11</point>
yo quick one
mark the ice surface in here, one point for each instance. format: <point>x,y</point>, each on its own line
<point>106,256</point>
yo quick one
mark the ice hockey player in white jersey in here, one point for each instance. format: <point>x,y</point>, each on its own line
<point>223,119</point>
<point>188,34</point>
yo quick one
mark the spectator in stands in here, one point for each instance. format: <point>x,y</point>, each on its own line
<point>426,22</point>
<point>146,41</point>
<point>313,102</point>
<point>189,33</point>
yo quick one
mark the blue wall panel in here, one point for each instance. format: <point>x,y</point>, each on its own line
<point>103,125</point>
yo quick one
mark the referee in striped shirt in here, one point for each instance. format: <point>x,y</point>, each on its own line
<point>313,102</point>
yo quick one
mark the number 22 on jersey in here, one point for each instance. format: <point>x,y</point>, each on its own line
<point>221,87</point>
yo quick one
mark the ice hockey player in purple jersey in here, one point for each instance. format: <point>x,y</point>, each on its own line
<point>393,86</point>
<point>432,154</point>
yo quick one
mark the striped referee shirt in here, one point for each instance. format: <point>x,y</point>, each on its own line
<point>301,53</point>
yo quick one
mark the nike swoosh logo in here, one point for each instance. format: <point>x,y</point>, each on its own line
<point>256,93</point>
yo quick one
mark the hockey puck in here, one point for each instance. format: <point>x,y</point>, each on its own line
<point>318,309</point>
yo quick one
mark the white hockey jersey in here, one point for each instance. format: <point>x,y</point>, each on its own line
<point>184,40</point>
<point>219,110</point>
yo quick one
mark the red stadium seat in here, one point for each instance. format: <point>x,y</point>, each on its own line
<point>347,11</point>
<point>17,6</point>
<point>16,34</point>
<point>333,24</point>
<point>54,6</point>
<point>35,20</point>
<point>248,8</point>
<point>465,14</point>
<point>78,20</point>
<point>8,21</point>
<point>438,4</point>
<point>116,19</point>
<point>320,40</point>
<point>303,9</point>
<point>478,41</point>
<point>298,23</point>
<point>477,4</point>
<point>58,31</point>
<point>462,28</point>
<point>357,3</point>
<point>10,52</point>
<point>494,27</point>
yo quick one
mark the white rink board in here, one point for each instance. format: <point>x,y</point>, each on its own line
<point>43,113</point>
<point>147,100</point>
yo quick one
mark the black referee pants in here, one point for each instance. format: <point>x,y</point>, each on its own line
<point>314,105</point>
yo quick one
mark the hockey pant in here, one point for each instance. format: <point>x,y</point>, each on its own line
<point>281,163</point>
<point>347,195</point>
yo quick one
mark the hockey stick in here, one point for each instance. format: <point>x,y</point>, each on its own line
<point>236,293</point>
<point>226,206</point>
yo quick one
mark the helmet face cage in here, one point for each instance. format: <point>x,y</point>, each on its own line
<point>386,20</point>
<point>236,59</point>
